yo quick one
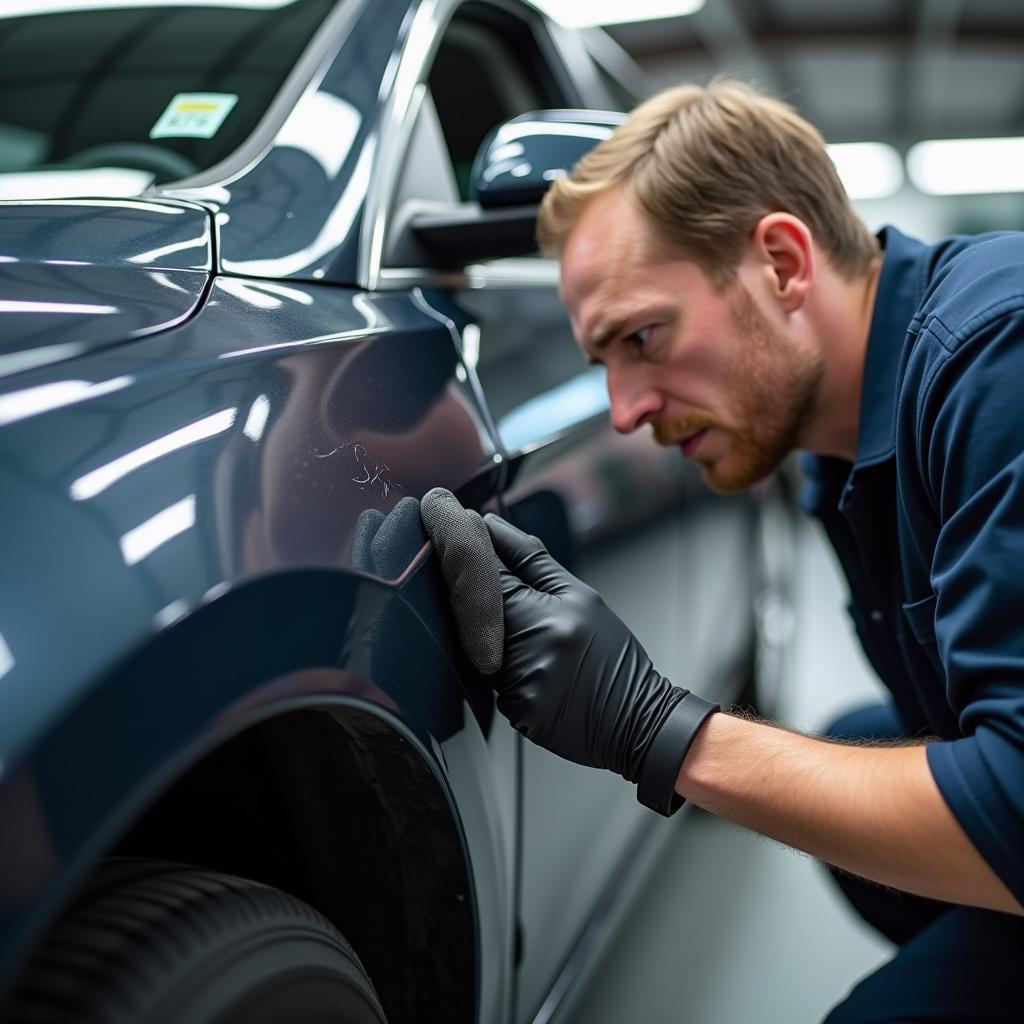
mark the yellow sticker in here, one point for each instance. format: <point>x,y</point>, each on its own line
<point>194,115</point>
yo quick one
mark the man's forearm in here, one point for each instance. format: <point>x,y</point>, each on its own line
<point>874,811</point>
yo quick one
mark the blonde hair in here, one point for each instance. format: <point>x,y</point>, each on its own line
<point>705,165</point>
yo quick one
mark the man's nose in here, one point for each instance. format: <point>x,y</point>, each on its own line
<point>631,406</point>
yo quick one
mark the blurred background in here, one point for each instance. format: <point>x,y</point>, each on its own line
<point>922,99</point>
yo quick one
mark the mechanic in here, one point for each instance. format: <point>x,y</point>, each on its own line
<point>711,260</point>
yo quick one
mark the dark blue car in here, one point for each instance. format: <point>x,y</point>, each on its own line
<point>266,276</point>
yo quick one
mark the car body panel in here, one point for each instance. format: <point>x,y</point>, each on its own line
<point>263,440</point>
<point>244,446</point>
<point>295,210</point>
<point>79,275</point>
<point>183,489</point>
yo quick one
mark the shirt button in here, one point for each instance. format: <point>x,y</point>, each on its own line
<point>876,615</point>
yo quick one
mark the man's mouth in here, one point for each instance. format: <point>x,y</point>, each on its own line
<point>692,442</point>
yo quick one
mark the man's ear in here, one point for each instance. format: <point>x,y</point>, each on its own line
<point>782,244</point>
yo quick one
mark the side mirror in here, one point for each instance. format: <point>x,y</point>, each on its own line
<point>513,169</point>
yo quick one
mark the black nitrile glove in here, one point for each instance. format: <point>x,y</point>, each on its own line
<point>573,678</point>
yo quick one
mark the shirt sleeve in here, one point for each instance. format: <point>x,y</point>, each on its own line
<point>971,426</point>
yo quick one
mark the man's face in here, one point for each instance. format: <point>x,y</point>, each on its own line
<point>707,369</point>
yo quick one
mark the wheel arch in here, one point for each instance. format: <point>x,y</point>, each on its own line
<point>337,806</point>
<point>279,765</point>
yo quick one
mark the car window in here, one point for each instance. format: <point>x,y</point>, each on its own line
<point>169,89</point>
<point>488,69</point>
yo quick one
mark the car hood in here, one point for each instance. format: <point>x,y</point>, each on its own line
<point>82,274</point>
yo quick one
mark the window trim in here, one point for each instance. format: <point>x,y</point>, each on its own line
<point>418,50</point>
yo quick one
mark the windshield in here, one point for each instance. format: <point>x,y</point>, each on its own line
<point>151,91</point>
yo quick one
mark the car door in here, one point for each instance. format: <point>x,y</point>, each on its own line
<point>628,517</point>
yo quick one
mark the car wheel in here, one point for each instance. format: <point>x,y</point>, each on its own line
<point>158,943</point>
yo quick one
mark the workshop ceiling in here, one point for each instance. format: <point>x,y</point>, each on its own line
<point>890,70</point>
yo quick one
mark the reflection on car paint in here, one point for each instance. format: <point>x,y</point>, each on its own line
<point>145,538</point>
<point>256,420</point>
<point>304,129</point>
<point>28,402</point>
<point>6,664</point>
<point>295,180</point>
<point>13,306</point>
<point>99,479</point>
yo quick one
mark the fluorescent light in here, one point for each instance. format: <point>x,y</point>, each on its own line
<point>101,181</point>
<point>19,8</point>
<point>247,293</point>
<point>868,170</point>
<point>166,250</point>
<point>78,308</point>
<point>148,536</point>
<point>946,167</point>
<point>585,13</point>
<point>170,614</point>
<point>304,130</point>
<point>256,421</point>
<point>98,480</point>
<point>471,344</point>
<point>19,405</point>
<point>6,658</point>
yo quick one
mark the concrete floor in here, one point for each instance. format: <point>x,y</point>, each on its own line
<point>731,928</point>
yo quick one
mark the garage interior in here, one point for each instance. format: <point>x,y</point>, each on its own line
<point>922,105</point>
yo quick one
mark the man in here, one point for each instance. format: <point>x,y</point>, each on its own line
<point>710,259</point>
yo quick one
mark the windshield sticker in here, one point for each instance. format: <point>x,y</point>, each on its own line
<point>194,115</point>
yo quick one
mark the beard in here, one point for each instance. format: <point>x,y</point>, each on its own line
<point>773,398</point>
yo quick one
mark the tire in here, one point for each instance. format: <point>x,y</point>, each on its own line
<point>158,943</point>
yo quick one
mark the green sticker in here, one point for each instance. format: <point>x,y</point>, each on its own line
<point>194,115</point>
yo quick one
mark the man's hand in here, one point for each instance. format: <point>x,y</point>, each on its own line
<point>573,678</point>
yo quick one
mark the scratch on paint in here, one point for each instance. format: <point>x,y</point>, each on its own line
<point>333,451</point>
<point>381,476</point>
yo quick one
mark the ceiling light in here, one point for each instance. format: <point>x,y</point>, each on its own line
<point>586,13</point>
<point>101,181</point>
<point>946,167</point>
<point>20,8</point>
<point>136,544</point>
<point>98,480</point>
<point>868,170</point>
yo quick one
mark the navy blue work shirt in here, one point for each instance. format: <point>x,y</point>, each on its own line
<point>928,521</point>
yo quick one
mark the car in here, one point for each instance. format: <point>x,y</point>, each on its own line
<point>267,276</point>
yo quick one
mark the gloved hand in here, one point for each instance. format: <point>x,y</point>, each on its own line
<point>573,678</point>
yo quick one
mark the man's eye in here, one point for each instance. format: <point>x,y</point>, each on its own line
<point>640,339</point>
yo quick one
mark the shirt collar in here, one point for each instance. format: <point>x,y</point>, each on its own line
<point>896,300</point>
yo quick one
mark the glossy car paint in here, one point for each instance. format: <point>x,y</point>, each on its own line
<point>517,162</point>
<point>187,471</point>
<point>82,274</point>
<point>182,482</point>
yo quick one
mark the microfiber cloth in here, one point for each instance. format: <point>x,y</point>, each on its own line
<point>471,572</point>
<point>386,544</point>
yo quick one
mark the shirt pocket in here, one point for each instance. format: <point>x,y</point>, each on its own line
<point>920,615</point>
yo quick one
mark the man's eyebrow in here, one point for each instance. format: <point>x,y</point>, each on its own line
<point>614,324</point>
<point>608,330</point>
